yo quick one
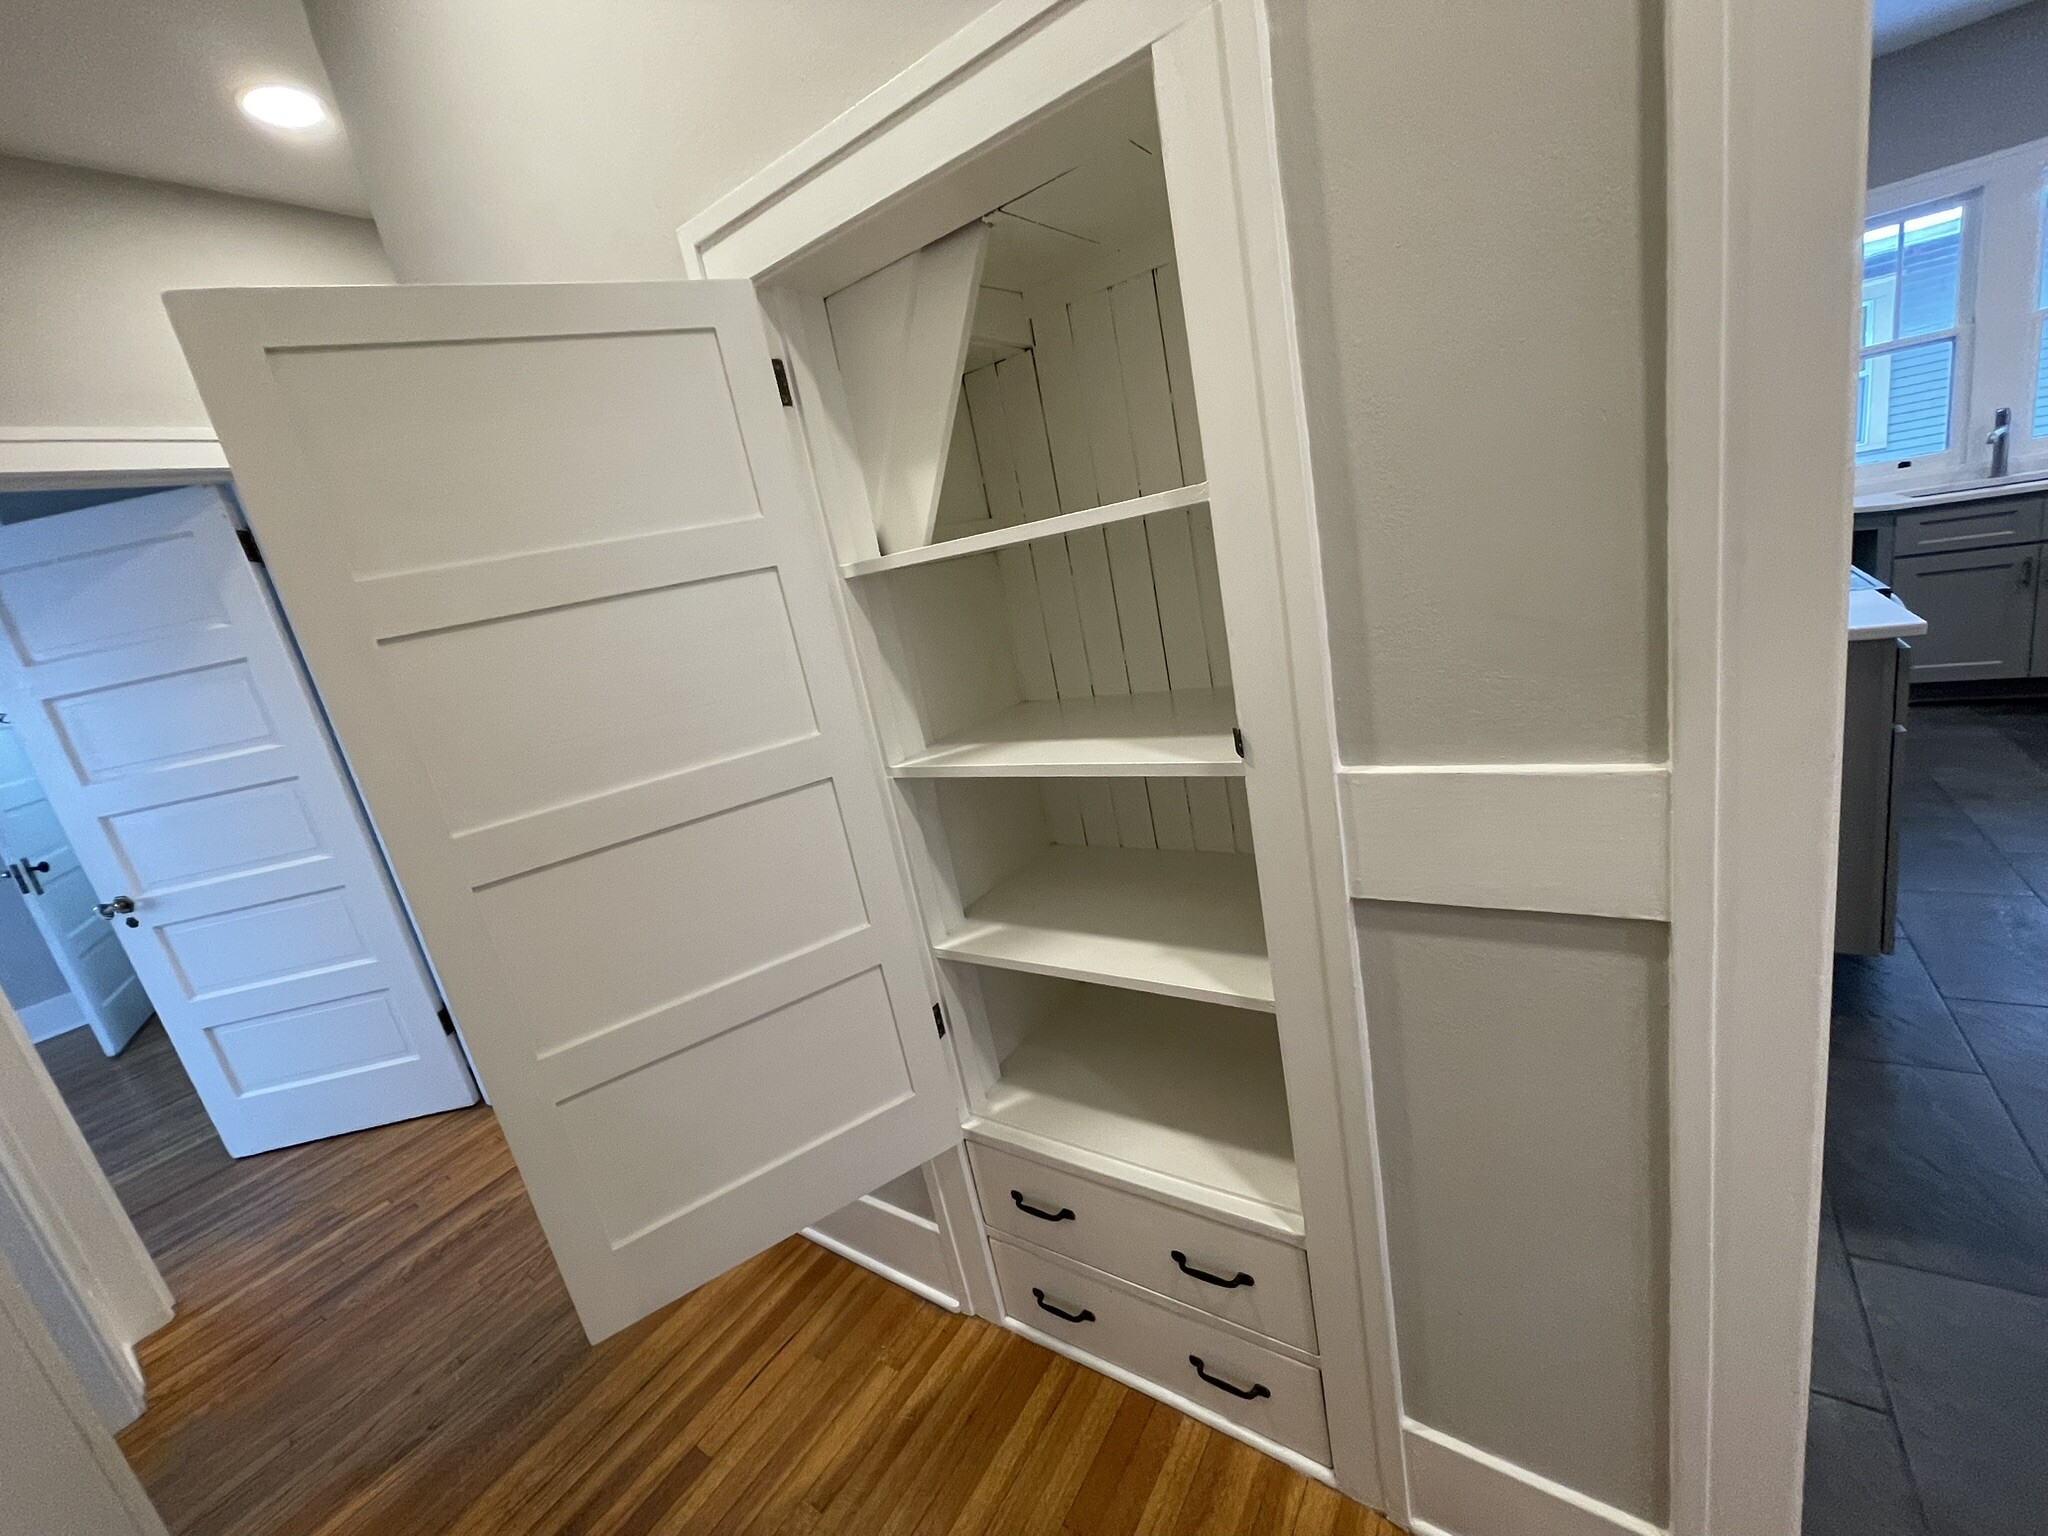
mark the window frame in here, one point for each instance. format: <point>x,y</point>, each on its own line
<point>1999,316</point>
<point>1960,332</point>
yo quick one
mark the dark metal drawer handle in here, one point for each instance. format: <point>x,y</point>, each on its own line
<point>1203,1275</point>
<point>1062,1214</point>
<point>1257,1389</point>
<point>1082,1316</point>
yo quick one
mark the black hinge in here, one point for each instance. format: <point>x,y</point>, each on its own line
<point>939,1018</point>
<point>1237,739</point>
<point>249,548</point>
<point>447,1023</point>
<point>782,382</point>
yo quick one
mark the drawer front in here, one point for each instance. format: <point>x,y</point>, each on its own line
<point>1257,1282</point>
<point>1245,1383</point>
<point>1974,525</point>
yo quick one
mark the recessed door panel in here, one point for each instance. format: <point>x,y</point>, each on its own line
<point>708,670</point>
<point>103,599</point>
<point>156,724</point>
<point>399,425</point>
<point>203,839</point>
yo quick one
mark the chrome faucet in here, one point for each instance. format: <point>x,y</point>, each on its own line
<point>2000,440</point>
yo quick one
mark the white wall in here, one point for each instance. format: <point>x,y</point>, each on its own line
<point>84,260</point>
<point>1971,92</point>
<point>507,140</point>
<point>1475,201</point>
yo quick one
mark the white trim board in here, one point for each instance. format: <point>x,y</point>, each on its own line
<point>52,1017</point>
<point>1455,1489</point>
<point>50,458</point>
<point>1531,837</point>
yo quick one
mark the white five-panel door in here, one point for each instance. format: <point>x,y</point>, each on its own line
<point>181,750</point>
<point>61,900</point>
<point>551,565</point>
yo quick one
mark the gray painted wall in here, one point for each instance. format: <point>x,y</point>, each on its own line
<point>1475,204</point>
<point>84,260</point>
<point>1971,92</point>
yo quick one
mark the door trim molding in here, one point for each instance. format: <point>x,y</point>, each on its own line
<point>1461,1490</point>
<point>1766,113</point>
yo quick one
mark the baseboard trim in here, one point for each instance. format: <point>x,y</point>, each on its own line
<point>930,1293</point>
<point>52,1017</point>
<point>1455,1489</point>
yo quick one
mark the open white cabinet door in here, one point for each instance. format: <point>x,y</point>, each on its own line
<point>547,554</point>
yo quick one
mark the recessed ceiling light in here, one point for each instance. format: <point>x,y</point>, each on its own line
<point>283,106</point>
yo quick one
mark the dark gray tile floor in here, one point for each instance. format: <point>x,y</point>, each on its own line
<point>1930,1368</point>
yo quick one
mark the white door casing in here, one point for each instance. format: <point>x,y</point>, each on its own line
<point>550,562</point>
<point>61,901</point>
<point>170,726</point>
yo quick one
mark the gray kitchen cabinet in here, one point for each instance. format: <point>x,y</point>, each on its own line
<point>1972,525</point>
<point>1873,748</point>
<point>1979,606</point>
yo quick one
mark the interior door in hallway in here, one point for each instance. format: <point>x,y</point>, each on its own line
<point>61,901</point>
<point>183,754</point>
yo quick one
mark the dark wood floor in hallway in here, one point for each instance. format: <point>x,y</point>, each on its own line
<point>371,1338</point>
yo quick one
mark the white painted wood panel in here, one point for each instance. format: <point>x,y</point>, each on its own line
<point>1569,837</point>
<point>1136,734</point>
<point>683,956</point>
<point>1181,924</point>
<point>901,336</point>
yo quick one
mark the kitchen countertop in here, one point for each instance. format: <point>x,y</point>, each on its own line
<point>1874,614</point>
<point>1983,490</point>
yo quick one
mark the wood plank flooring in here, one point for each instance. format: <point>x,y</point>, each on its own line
<point>372,1338</point>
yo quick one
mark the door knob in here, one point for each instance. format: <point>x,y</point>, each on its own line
<point>115,908</point>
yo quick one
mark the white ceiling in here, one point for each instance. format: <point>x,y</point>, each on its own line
<point>1897,24</point>
<point>148,87</point>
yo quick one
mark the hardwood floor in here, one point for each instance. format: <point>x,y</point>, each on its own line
<point>371,1337</point>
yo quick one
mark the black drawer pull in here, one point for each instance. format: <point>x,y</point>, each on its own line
<point>1257,1389</point>
<point>1082,1316</point>
<point>1062,1214</point>
<point>1203,1275</point>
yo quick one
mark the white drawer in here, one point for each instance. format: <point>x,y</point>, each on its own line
<point>1138,1239</point>
<point>1246,1383</point>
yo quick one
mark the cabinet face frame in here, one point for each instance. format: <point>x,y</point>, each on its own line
<point>915,161</point>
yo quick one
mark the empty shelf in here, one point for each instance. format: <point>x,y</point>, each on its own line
<point>1187,1091</point>
<point>1195,495</point>
<point>1185,734</point>
<point>1155,919</point>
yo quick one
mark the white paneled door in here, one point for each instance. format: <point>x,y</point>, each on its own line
<point>45,868</point>
<point>181,750</point>
<point>560,586</point>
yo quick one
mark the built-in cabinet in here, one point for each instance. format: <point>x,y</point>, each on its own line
<point>922,761</point>
<point>1974,572</point>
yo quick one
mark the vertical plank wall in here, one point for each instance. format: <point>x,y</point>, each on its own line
<point>1101,409</point>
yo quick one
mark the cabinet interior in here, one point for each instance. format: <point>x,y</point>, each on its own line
<point>1044,639</point>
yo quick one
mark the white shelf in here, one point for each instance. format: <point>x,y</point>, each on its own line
<point>1164,1093</point>
<point>1180,735</point>
<point>1012,534</point>
<point>1154,919</point>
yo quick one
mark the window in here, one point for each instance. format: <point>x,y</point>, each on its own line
<point>1912,288</point>
<point>1954,325</point>
<point>2041,314</point>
